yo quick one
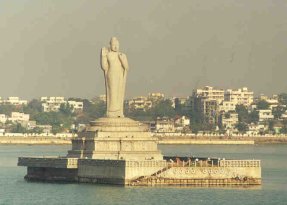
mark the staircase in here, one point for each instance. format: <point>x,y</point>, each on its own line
<point>148,180</point>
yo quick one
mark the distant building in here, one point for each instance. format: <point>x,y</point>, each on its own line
<point>155,97</point>
<point>272,101</point>
<point>265,115</point>
<point>227,106</point>
<point>240,96</point>
<point>207,109</point>
<point>103,97</point>
<point>182,123</point>
<point>140,103</point>
<point>229,120</point>
<point>53,104</point>
<point>3,118</point>
<point>46,128</point>
<point>164,125</point>
<point>19,117</point>
<point>209,93</point>
<point>256,129</point>
<point>15,101</point>
<point>76,106</point>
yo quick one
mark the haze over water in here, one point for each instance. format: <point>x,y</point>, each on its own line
<point>15,190</point>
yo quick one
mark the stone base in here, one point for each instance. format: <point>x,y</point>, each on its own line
<point>143,173</point>
<point>115,138</point>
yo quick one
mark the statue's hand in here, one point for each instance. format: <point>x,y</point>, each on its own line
<point>122,57</point>
<point>104,51</point>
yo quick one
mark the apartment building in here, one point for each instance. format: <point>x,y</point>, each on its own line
<point>241,96</point>
<point>210,93</point>
<point>140,103</point>
<point>14,101</point>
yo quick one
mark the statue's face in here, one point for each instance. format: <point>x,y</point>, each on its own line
<point>115,46</point>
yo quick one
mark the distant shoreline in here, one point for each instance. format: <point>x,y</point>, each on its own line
<point>170,140</point>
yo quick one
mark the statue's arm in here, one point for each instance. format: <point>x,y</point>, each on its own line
<point>124,61</point>
<point>104,59</point>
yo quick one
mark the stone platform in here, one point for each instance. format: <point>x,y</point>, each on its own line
<point>115,138</point>
<point>121,151</point>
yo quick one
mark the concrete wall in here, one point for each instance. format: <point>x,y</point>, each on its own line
<point>135,169</point>
<point>55,162</point>
<point>51,174</point>
<point>211,172</point>
<point>33,140</point>
<point>101,171</point>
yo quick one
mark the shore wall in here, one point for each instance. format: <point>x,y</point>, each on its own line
<point>39,140</point>
<point>198,141</point>
<point>34,140</point>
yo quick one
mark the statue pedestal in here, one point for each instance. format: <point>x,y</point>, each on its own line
<point>115,139</point>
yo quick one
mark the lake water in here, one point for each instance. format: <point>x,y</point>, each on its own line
<point>15,190</point>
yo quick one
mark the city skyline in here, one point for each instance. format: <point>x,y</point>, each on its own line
<point>52,49</point>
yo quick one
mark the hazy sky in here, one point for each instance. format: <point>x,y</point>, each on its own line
<point>52,47</point>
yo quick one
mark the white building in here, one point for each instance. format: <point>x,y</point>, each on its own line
<point>182,121</point>
<point>265,115</point>
<point>140,103</point>
<point>3,118</point>
<point>19,117</point>
<point>272,101</point>
<point>164,125</point>
<point>209,93</point>
<point>53,104</point>
<point>154,97</point>
<point>256,129</point>
<point>15,101</point>
<point>241,96</point>
<point>76,106</point>
<point>227,106</point>
<point>103,97</point>
<point>229,120</point>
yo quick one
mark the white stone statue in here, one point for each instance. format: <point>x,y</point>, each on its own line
<point>115,67</point>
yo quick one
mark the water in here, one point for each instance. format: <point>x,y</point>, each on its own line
<point>15,190</point>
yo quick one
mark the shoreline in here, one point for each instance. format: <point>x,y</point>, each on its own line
<point>171,140</point>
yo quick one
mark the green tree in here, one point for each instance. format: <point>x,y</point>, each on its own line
<point>33,108</point>
<point>253,117</point>
<point>163,109</point>
<point>66,109</point>
<point>91,111</point>
<point>271,124</point>
<point>37,130</point>
<point>18,128</point>
<point>242,127</point>
<point>282,98</point>
<point>278,111</point>
<point>242,113</point>
<point>7,109</point>
<point>262,105</point>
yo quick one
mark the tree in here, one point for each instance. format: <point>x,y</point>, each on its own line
<point>242,113</point>
<point>33,108</point>
<point>66,109</point>
<point>271,124</point>
<point>262,105</point>
<point>8,109</point>
<point>37,130</point>
<point>282,98</point>
<point>278,111</point>
<point>253,117</point>
<point>242,127</point>
<point>18,128</point>
<point>163,109</point>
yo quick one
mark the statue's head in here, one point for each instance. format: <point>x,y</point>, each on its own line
<point>115,44</point>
